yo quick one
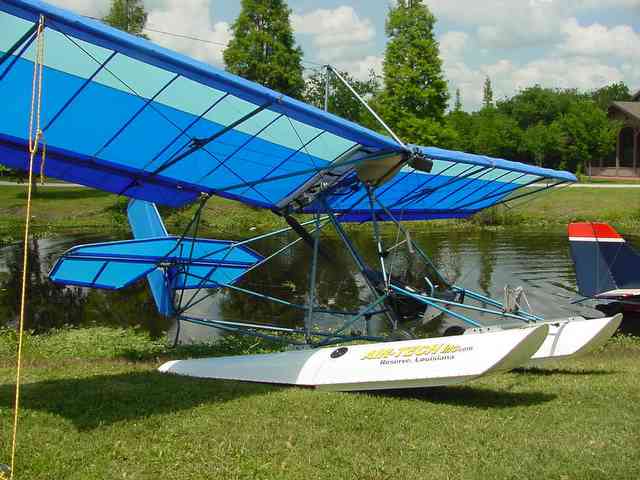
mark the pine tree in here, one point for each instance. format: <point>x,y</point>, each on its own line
<point>458,105</point>
<point>415,96</point>
<point>263,48</point>
<point>127,15</point>
<point>487,93</point>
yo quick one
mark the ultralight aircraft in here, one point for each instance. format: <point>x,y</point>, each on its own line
<point>92,105</point>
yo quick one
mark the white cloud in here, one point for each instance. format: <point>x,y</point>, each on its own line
<point>361,69</point>
<point>507,77</point>
<point>583,73</point>
<point>338,34</point>
<point>91,8</point>
<point>600,40</point>
<point>452,45</point>
<point>188,17</point>
<point>191,18</point>
<point>519,23</point>
<point>604,4</point>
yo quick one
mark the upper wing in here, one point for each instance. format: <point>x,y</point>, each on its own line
<point>124,115</point>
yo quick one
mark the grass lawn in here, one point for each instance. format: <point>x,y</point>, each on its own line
<point>585,179</point>
<point>60,209</point>
<point>619,206</point>
<point>89,411</point>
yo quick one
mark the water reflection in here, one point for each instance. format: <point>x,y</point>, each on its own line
<point>51,306</point>
<point>482,260</point>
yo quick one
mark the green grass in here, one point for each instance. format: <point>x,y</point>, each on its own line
<point>83,209</point>
<point>620,206</point>
<point>614,180</point>
<point>71,209</point>
<point>89,412</point>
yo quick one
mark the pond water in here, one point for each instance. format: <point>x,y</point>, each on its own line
<point>484,260</point>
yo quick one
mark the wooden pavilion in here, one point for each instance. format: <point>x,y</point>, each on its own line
<point>626,162</point>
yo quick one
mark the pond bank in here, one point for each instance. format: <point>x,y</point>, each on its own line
<point>81,209</point>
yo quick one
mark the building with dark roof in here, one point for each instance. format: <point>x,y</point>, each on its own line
<point>626,162</point>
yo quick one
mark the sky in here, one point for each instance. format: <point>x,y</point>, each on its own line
<point>582,44</point>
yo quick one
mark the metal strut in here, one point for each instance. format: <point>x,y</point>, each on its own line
<point>312,280</point>
<point>362,266</point>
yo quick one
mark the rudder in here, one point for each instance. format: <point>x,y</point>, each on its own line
<point>606,265</point>
<point>145,222</point>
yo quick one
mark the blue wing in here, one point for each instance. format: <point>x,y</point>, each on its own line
<point>124,115</point>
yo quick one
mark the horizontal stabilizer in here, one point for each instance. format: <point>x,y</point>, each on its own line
<point>606,265</point>
<point>188,263</point>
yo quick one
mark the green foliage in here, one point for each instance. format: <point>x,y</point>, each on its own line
<point>589,134</point>
<point>341,101</point>
<point>542,144</point>
<point>457,107</point>
<point>487,93</point>
<point>263,47</point>
<point>415,93</point>
<point>616,92</point>
<point>495,134</point>
<point>553,128</point>
<point>536,104</point>
<point>462,125</point>
<point>127,15</point>
<point>95,343</point>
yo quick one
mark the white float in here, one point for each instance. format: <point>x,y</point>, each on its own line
<point>567,338</point>
<point>574,337</point>
<point>407,364</point>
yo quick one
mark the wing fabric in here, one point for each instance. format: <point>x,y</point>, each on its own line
<point>124,115</point>
<point>192,263</point>
<point>127,116</point>
<point>459,185</point>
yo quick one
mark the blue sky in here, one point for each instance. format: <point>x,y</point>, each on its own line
<point>517,43</point>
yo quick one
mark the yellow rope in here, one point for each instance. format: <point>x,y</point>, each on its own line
<point>34,140</point>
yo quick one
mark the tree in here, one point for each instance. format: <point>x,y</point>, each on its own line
<point>537,104</point>
<point>263,47</point>
<point>487,93</point>
<point>616,92</point>
<point>542,144</point>
<point>461,124</point>
<point>457,107</point>
<point>415,93</point>
<point>496,134</point>
<point>589,135</point>
<point>127,15</point>
<point>341,101</point>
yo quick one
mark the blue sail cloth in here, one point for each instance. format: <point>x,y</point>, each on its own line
<point>459,185</point>
<point>115,265</point>
<point>124,115</point>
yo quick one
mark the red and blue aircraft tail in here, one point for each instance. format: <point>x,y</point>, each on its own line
<point>169,262</point>
<point>606,265</point>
